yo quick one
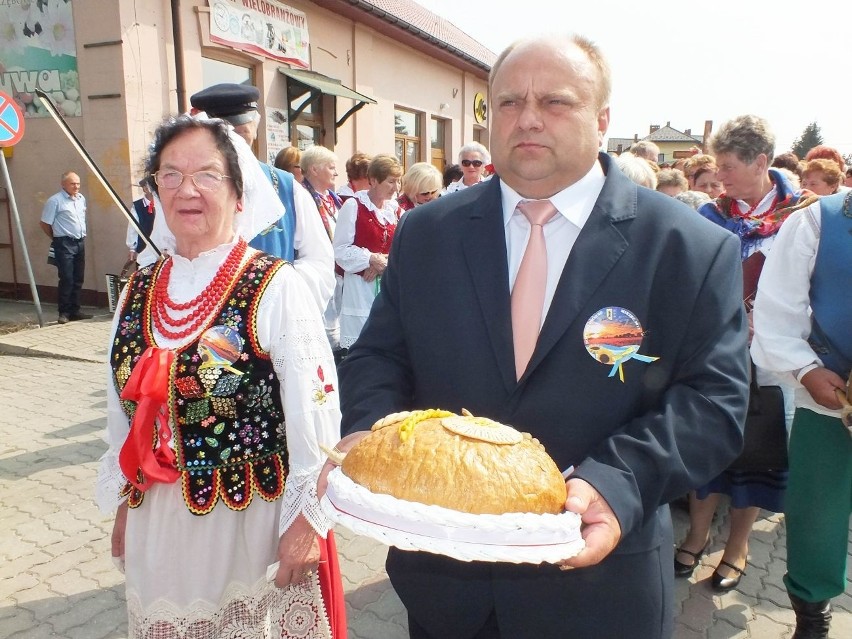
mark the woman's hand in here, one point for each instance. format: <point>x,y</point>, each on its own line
<point>119,529</point>
<point>378,262</point>
<point>369,274</point>
<point>298,553</point>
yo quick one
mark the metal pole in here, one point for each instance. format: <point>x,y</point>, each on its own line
<point>14,206</point>
<point>95,169</point>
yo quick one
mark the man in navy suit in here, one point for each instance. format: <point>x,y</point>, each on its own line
<point>637,381</point>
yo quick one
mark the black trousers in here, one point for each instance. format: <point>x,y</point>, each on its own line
<point>70,255</point>
<point>489,631</point>
<point>627,596</point>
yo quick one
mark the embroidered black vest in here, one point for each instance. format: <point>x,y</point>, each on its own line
<point>224,401</point>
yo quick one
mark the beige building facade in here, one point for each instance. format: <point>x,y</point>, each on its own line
<point>352,75</point>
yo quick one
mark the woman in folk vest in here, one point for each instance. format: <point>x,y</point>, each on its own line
<point>224,389</point>
<point>365,227</point>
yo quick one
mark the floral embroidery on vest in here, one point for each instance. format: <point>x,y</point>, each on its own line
<point>224,405</point>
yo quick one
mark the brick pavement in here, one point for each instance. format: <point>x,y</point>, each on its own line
<point>56,578</point>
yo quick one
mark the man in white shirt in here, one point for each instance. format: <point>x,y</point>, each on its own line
<point>63,220</point>
<point>802,316</point>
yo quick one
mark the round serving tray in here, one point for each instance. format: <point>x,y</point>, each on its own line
<point>513,538</point>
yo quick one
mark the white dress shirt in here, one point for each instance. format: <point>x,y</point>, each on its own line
<point>574,205</point>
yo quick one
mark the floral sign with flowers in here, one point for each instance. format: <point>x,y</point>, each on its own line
<point>37,51</point>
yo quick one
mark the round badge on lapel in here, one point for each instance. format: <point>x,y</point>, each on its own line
<point>613,336</point>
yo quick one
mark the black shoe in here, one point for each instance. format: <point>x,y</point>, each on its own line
<point>79,316</point>
<point>724,584</point>
<point>63,319</point>
<point>812,618</point>
<point>685,570</point>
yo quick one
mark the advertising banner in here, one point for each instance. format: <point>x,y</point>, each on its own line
<point>277,132</point>
<point>37,51</point>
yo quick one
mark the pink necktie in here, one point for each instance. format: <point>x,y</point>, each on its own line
<point>530,284</point>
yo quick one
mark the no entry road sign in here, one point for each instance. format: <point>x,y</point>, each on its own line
<point>11,121</point>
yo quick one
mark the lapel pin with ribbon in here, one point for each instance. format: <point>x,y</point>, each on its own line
<point>613,336</point>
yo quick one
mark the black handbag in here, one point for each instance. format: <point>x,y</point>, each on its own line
<point>765,433</point>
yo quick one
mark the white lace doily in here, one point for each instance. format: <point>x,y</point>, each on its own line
<point>514,538</point>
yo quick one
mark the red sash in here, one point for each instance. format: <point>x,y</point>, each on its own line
<point>141,460</point>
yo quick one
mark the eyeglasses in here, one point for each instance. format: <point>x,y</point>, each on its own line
<point>204,180</point>
<point>474,163</point>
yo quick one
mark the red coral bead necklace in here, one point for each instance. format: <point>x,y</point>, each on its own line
<point>202,304</point>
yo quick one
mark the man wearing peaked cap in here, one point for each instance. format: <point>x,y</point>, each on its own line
<point>236,103</point>
<point>298,236</point>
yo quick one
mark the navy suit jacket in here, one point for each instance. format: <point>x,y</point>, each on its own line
<point>439,336</point>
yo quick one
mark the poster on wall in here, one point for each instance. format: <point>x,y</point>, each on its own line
<point>263,27</point>
<point>277,132</point>
<point>37,51</point>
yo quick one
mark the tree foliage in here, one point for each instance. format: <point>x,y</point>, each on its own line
<point>810,138</point>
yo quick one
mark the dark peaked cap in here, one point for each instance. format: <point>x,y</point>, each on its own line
<point>235,103</point>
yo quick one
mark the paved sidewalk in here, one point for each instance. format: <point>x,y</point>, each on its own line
<point>56,578</point>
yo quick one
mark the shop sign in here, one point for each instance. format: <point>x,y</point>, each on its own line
<point>262,27</point>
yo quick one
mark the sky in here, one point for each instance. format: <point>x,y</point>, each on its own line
<point>687,62</point>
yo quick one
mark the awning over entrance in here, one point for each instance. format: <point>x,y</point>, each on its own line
<point>317,84</point>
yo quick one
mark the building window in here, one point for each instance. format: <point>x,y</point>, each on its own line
<point>438,135</point>
<point>305,115</point>
<point>480,134</point>
<point>407,137</point>
<point>216,72</point>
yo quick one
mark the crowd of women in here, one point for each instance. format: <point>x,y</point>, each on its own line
<point>223,393</point>
<point>762,197</point>
<point>361,216</point>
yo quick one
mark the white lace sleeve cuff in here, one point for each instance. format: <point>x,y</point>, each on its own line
<point>300,497</point>
<point>110,483</point>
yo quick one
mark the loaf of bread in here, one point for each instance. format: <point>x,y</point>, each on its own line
<point>465,463</point>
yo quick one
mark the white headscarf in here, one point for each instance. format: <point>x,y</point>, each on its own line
<point>261,205</point>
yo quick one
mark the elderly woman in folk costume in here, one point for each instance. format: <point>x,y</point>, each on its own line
<point>365,228</point>
<point>222,392</point>
<point>319,170</point>
<point>756,202</point>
